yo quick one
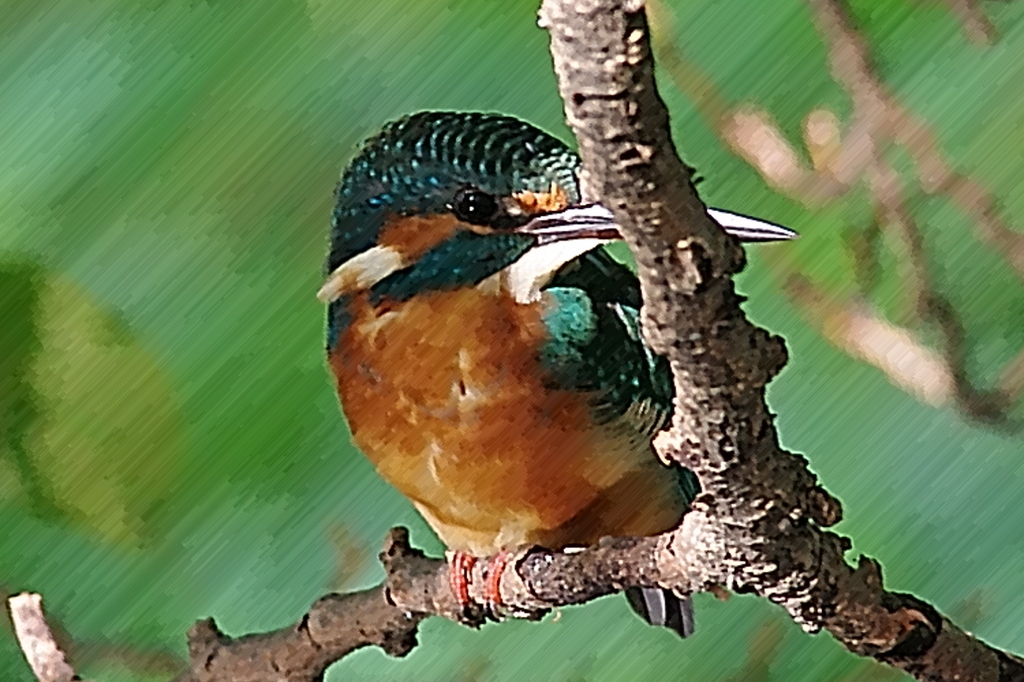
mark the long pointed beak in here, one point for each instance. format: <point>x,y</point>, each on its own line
<point>594,221</point>
<point>748,229</point>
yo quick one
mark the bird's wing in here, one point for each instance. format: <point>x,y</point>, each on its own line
<point>593,318</point>
<point>596,347</point>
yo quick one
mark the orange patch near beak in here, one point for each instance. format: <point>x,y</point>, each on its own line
<point>413,236</point>
<point>553,200</point>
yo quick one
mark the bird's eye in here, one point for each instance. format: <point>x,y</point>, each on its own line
<point>475,207</point>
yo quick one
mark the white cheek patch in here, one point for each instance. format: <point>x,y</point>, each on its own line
<point>361,272</point>
<point>525,277</point>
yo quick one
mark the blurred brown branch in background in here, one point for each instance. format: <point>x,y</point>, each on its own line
<point>977,26</point>
<point>353,555</point>
<point>761,653</point>
<point>845,156</point>
<point>763,650</point>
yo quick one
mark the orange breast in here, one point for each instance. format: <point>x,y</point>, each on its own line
<point>445,394</point>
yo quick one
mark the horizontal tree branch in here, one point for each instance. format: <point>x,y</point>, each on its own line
<point>416,586</point>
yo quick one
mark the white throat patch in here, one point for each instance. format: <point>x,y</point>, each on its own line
<point>524,278</point>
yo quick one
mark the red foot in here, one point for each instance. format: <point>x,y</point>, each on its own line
<point>492,586</point>
<point>460,571</point>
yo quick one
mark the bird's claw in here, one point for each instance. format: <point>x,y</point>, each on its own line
<point>492,585</point>
<point>460,577</point>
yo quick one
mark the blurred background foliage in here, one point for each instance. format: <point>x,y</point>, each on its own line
<point>171,448</point>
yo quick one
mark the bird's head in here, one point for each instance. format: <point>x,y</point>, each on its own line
<point>440,201</point>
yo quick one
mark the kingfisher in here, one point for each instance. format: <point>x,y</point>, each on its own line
<point>486,348</point>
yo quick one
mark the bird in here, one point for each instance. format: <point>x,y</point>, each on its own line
<point>486,347</point>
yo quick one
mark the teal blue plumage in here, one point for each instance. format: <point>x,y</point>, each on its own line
<point>596,345</point>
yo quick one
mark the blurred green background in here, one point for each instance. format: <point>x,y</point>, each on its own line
<point>171,448</point>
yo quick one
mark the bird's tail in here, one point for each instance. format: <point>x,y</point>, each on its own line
<point>663,608</point>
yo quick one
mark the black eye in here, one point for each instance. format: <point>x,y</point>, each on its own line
<point>475,207</point>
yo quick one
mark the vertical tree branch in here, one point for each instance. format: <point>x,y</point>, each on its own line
<point>758,525</point>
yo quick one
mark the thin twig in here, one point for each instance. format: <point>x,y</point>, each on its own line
<point>36,639</point>
<point>977,26</point>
